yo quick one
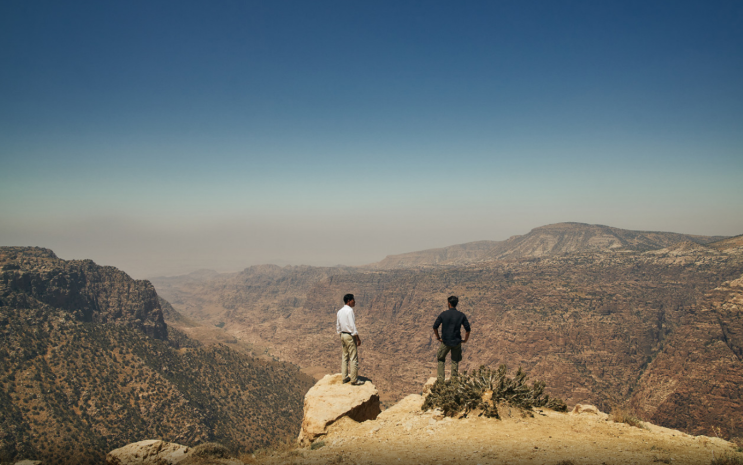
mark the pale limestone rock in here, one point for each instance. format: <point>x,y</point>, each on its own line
<point>150,452</point>
<point>427,387</point>
<point>409,405</point>
<point>29,462</point>
<point>584,408</point>
<point>330,400</point>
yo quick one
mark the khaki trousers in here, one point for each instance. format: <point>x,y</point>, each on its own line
<point>456,357</point>
<point>350,360</point>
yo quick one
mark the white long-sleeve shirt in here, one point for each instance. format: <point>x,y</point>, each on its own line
<point>346,321</point>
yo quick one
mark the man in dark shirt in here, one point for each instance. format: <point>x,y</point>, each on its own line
<point>451,337</point>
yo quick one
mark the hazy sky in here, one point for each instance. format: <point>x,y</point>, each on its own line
<point>163,137</point>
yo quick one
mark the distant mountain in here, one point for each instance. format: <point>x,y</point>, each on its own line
<point>88,364</point>
<point>730,243</point>
<point>560,238</point>
<point>452,255</point>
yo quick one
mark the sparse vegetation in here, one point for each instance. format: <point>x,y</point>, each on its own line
<point>286,446</point>
<point>317,444</point>
<point>727,459</point>
<point>621,415</point>
<point>484,388</point>
<point>64,378</point>
<point>212,450</point>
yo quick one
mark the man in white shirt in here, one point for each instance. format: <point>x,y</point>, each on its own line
<point>345,325</point>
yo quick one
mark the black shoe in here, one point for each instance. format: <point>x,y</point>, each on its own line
<point>358,383</point>
<point>346,379</point>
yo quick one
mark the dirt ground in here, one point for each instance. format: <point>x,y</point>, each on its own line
<point>404,434</point>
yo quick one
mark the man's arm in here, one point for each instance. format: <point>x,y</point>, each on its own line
<point>436,333</point>
<point>354,331</point>
<point>466,325</point>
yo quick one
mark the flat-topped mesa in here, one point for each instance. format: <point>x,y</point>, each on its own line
<point>330,400</point>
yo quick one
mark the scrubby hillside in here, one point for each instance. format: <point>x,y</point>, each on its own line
<point>86,365</point>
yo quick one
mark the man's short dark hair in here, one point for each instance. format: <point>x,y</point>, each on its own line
<point>349,297</point>
<point>453,300</point>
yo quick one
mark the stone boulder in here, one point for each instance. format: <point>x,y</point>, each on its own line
<point>585,409</point>
<point>150,452</point>
<point>428,386</point>
<point>330,400</point>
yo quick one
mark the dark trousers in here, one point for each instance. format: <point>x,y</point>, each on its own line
<point>456,357</point>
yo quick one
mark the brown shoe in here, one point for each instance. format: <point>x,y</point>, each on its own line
<point>346,379</point>
<point>358,382</point>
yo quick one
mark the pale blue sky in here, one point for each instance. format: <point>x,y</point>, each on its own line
<point>163,137</point>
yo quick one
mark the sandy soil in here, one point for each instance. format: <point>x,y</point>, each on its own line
<point>404,434</point>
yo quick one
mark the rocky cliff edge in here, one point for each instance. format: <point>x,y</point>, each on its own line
<point>342,425</point>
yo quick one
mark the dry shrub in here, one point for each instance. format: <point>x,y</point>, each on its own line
<point>484,388</point>
<point>727,459</point>
<point>738,441</point>
<point>286,447</point>
<point>621,415</point>
<point>211,450</point>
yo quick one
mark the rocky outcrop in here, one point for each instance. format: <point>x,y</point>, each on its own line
<point>155,452</point>
<point>585,409</point>
<point>330,400</point>
<point>149,452</point>
<point>405,433</point>
<point>88,292</point>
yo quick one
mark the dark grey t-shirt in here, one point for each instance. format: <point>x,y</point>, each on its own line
<point>453,320</point>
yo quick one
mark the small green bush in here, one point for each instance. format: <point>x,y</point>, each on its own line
<point>484,388</point>
<point>317,445</point>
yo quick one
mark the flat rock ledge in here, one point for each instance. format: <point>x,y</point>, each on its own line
<point>330,400</point>
<point>150,452</point>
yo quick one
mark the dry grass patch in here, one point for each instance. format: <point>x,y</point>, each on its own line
<point>621,415</point>
<point>728,459</point>
<point>287,447</point>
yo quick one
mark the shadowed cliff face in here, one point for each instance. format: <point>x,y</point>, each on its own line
<point>88,292</point>
<point>699,374</point>
<point>588,324</point>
